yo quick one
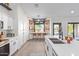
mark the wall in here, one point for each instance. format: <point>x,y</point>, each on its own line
<point>23,26</point>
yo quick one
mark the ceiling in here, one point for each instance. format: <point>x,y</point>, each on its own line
<point>50,9</point>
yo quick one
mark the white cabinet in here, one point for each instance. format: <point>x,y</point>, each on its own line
<point>10,23</point>
<point>6,18</point>
<point>50,51</point>
<point>13,45</point>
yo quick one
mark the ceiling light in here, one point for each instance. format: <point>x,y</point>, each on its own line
<point>36,5</point>
<point>72,11</point>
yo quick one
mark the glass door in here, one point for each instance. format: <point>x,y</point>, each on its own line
<point>76,30</point>
<point>70,30</point>
<point>57,30</point>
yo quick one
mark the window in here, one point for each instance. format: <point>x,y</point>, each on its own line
<point>39,27</point>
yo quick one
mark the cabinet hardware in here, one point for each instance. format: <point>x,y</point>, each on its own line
<point>47,48</point>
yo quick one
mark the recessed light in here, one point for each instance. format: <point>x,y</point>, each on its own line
<point>72,11</point>
<point>36,5</point>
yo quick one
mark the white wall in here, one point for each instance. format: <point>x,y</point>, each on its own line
<point>23,27</point>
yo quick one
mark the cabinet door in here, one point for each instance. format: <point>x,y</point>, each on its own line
<point>13,46</point>
<point>54,53</point>
<point>10,23</point>
<point>48,48</point>
<point>5,19</point>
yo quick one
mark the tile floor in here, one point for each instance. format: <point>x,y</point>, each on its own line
<point>33,47</point>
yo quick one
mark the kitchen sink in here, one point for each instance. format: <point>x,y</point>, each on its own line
<point>56,41</point>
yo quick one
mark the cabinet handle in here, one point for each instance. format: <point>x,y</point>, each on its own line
<point>47,48</point>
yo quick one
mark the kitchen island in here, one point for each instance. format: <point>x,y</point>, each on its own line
<point>66,49</point>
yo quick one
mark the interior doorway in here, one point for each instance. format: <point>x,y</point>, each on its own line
<point>57,30</point>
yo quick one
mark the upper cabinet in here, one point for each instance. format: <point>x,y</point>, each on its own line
<point>47,25</point>
<point>5,18</point>
<point>31,25</point>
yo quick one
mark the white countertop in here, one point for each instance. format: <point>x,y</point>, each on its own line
<point>66,49</point>
<point>6,41</point>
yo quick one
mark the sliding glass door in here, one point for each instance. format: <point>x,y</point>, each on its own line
<point>73,29</point>
<point>70,29</point>
<point>76,30</point>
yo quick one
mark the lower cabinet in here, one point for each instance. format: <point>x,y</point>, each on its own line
<point>50,51</point>
<point>54,53</point>
<point>13,46</point>
<point>4,50</point>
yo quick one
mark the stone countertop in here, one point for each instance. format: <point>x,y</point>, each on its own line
<point>4,42</point>
<point>66,49</point>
